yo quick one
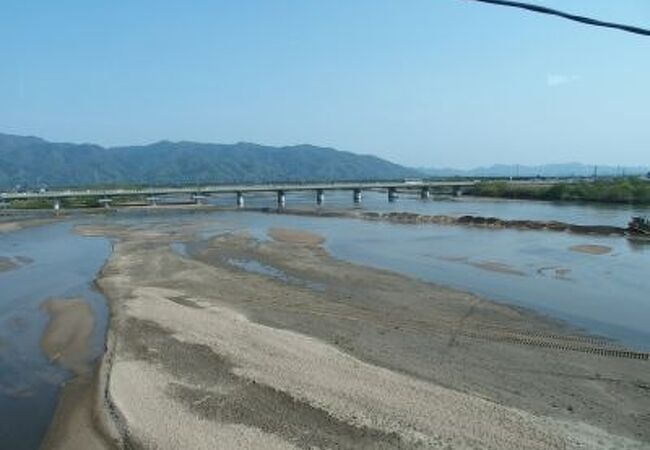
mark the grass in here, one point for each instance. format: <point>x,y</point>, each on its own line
<point>627,190</point>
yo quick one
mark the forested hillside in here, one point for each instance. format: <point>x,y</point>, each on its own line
<point>32,162</point>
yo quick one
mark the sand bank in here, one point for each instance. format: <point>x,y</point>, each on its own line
<point>203,354</point>
<point>591,249</point>
<point>77,422</point>
<point>466,220</point>
<point>66,338</point>
<point>19,223</point>
<point>7,264</point>
<point>66,341</point>
<point>295,236</point>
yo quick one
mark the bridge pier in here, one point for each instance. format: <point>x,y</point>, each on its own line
<point>106,202</point>
<point>153,195</point>
<point>392,194</point>
<point>57,205</point>
<point>240,199</point>
<point>198,199</point>
<point>320,197</point>
<point>356,196</point>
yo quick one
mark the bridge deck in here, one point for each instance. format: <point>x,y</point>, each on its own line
<point>243,188</point>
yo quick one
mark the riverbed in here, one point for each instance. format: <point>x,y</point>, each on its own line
<point>603,292</point>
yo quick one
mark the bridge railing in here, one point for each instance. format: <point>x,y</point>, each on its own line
<point>232,188</point>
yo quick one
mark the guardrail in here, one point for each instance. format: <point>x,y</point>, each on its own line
<point>244,188</point>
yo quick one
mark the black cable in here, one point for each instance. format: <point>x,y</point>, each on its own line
<point>576,18</point>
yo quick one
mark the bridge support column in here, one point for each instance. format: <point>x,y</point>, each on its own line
<point>240,199</point>
<point>458,192</point>
<point>106,202</point>
<point>356,196</point>
<point>320,197</point>
<point>392,194</point>
<point>282,199</point>
<point>153,201</point>
<point>57,206</point>
<point>198,199</point>
<point>425,193</point>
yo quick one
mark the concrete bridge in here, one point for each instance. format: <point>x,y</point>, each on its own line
<point>197,193</point>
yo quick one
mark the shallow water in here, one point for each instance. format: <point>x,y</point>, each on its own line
<point>63,265</point>
<point>577,213</point>
<point>253,266</point>
<point>604,294</point>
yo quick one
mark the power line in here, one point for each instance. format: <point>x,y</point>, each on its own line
<point>576,18</point>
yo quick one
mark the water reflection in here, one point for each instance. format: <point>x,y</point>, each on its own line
<point>62,265</point>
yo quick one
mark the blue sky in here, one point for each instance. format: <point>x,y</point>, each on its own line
<point>421,82</point>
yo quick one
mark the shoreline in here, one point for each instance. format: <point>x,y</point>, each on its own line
<point>21,223</point>
<point>464,220</point>
<point>88,403</point>
<point>66,342</point>
<point>478,221</point>
<point>181,301</point>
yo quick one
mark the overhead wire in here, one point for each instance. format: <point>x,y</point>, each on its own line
<point>574,17</point>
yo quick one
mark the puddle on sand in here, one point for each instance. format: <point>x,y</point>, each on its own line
<point>180,248</point>
<point>184,249</point>
<point>253,266</point>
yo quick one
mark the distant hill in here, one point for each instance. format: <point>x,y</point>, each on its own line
<point>31,161</point>
<point>547,170</point>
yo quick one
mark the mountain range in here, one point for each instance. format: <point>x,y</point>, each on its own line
<point>546,170</point>
<point>34,162</point>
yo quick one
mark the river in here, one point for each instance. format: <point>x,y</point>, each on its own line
<point>51,261</point>
<point>578,213</point>
<point>605,294</point>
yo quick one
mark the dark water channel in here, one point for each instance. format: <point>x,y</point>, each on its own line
<point>52,261</point>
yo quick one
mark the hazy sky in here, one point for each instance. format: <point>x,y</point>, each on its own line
<point>421,82</point>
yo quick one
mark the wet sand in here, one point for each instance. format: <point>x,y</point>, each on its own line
<point>68,333</point>
<point>7,264</point>
<point>296,236</point>
<point>19,223</point>
<point>591,249</point>
<point>77,422</point>
<point>202,354</point>
<point>490,266</point>
<point>465,220</point>
<point>66,342</point>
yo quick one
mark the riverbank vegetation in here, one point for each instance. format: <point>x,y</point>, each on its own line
<point>627,190</point>
<point>75,202</point>
<point>46,203</point>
